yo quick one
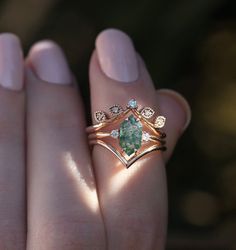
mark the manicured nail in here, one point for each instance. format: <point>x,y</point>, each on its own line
<point>182,101</point>
<point>49,63</point>
<point>11,62</point>
<point>117,56</point>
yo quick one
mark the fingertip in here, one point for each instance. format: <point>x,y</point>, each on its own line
<point>49,62</point>
<point>117,55</point>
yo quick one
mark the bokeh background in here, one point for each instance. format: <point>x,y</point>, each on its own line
<point>188,45</point>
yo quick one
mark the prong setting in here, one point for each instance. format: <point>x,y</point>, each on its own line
<point>116,109</point>
<point>100,116</point>
<point>115,133</point>
<point>147,112</point>
<point>132,104</point>
<point>160,122</point>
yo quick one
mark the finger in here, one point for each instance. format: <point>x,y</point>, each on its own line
<point>134,201</point>
<point>12,164</point>
<point>62,200</point>
<point>171,104</point>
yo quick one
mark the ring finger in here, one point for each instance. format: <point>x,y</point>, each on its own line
<point>134,201</point>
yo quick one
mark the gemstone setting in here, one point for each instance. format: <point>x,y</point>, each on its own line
<point>100,116</point>
<point>116,109</point>
<point>115,133</point>
<point>145,136</point>
<point>160,122</point>
<point>132,104</point>
<point>147,112</point>
<point>130,137</point>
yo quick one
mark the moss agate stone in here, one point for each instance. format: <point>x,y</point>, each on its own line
<point>130,137</point>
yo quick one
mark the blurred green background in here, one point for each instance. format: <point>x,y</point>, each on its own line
<point>189,46</point>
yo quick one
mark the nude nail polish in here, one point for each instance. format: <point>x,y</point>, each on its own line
<point>117,56</point>
<point>11,62</point>
<point>49,63</point>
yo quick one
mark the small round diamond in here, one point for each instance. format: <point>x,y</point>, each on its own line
<point>145,136</point>
<point>160,122</point>
<point>99,116</point>
<point>116,109</point>
<point>147,112</point>
<point>115,133</point>
<point>132,104</point>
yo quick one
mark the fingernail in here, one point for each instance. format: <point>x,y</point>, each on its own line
<point>11,62</point>
<point>49,63</point>
<point>117,56</point>
<point>183,103</point>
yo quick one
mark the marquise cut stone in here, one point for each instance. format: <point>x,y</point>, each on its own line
<point>130,137</point>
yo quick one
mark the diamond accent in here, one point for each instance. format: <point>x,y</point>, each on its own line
<point>132,104</point>
<point>145,136</point>
<point>100,116</point>
<point>115,133</point>
<point>160,122</point>
<point>147,112</point>
<point>116,109</point>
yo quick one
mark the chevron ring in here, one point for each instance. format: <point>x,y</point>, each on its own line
<point>128,133</point>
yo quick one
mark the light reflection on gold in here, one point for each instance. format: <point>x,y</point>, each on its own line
<point>88,194</point>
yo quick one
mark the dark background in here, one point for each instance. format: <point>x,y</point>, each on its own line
<point>188,45</point>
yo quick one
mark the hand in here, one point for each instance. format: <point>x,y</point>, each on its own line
<point>72,198</point>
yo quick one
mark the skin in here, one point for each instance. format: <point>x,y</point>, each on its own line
<point>55,192</point>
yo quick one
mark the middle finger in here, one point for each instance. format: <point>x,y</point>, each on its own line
<point>63,211</point>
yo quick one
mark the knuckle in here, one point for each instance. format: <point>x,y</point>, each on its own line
<point>64,233</point>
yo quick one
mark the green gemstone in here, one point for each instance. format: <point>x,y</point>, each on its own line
<point>130,135</point>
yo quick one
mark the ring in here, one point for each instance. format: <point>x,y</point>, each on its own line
<point>128,133</point>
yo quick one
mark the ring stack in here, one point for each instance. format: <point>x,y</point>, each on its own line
<point>128,133</point>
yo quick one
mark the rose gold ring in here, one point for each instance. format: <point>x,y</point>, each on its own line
<point>128,133</point>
